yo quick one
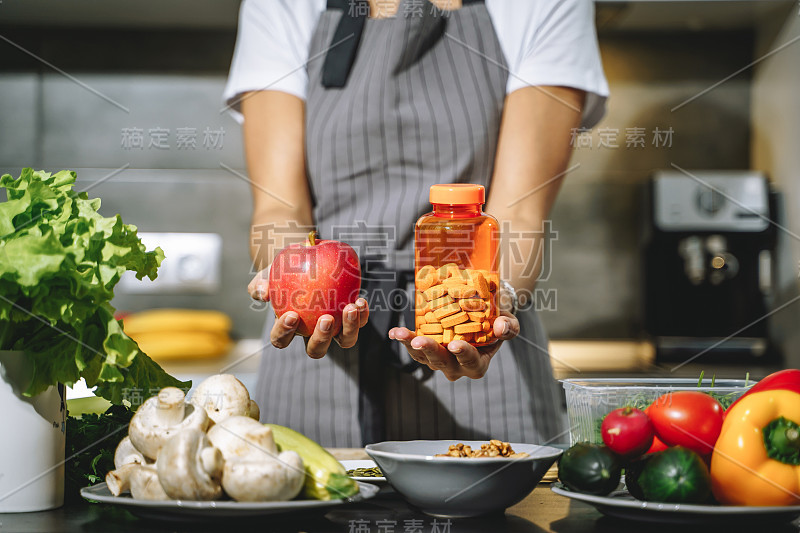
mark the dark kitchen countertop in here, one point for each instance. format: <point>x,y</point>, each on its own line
<point>541,511</point>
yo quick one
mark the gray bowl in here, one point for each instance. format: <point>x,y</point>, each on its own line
<point>453,487</point>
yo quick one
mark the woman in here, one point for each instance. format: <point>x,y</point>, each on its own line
<point>352,109</point>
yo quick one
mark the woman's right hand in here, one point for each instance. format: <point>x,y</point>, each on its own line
<point>354,317</point>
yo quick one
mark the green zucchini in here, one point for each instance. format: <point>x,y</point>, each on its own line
<point>589,468</point>
<point>326,478</point>
<point>674,475</point>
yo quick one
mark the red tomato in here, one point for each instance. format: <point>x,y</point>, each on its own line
<point>627,432</point>
<point>657,446</point>
<point>687,418</point>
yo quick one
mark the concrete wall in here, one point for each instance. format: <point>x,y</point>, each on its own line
<point>774,148</point>
<point>596,259</point>
<point>171,80</point>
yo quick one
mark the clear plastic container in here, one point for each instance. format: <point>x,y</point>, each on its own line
<point>456,260</point>
<point>589,400</point>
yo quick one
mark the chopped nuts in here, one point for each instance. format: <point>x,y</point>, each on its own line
<point>494,448</point>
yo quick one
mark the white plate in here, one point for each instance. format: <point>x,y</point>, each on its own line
<point>622,505</point>
<point>364,463</point>
<point>188,510</point>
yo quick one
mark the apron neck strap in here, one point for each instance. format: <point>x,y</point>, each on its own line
<point>342,50</point>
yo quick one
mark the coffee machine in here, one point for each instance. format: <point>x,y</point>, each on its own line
<point>708,265</point>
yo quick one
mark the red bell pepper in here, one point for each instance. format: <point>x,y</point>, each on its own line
<point>788,379</point>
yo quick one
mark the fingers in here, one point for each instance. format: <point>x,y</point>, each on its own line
<point>458,359</point>
<point>258,288</point>
<point>284,329</point>
<point>354,317</point>
<point>405,336</point>
<point>350,326</point>
<point>506,327</point>
<point>438,357</point>
<point>319,342</point>
<point>363,312</point>
<point>473,363</point>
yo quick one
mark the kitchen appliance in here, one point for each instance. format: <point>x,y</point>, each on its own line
<point>708,265</point>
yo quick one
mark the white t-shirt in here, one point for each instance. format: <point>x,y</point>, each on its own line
<point>545,42</point>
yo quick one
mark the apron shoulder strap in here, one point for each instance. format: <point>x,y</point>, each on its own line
<point>339,4</point>
<point>342,50</point>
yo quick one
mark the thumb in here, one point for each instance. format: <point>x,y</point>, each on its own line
<point>259,286</point>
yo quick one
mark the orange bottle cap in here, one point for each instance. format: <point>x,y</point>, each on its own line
<point>457,194</point>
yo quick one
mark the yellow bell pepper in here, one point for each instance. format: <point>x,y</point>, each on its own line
<point>756,460</point>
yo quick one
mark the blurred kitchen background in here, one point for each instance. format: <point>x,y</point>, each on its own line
<point>129,95</point>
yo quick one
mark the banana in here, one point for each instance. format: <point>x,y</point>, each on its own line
<point>162,345</point>
<point>176,320</point>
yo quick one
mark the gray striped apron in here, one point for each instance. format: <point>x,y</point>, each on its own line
<point>393,106</point>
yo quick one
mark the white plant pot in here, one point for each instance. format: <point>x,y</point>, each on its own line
<point>32,442</point>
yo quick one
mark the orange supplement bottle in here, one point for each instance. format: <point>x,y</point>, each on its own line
<point>456,259</point>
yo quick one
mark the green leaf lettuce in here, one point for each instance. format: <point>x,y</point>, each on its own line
<point>59,262</point>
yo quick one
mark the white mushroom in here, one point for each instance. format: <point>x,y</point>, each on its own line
<point>161,417</point>
<point>222,396</point>
<point>140,479</point>
<point>189,467</point>
<point>126,453</point>
<point>126,458</point>
<point>254,471</point>
<point>119,480</point>
<point>278,479</point>
<point>241,436</point>
<point>254,412</point>
<point>145,484</point>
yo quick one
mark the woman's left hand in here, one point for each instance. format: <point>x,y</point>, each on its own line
<point>459,358</point>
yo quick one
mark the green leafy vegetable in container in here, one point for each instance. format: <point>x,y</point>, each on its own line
<point>91,441</point>
<point>59,262</point>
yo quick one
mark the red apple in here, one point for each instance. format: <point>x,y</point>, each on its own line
<point>312,279</point>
